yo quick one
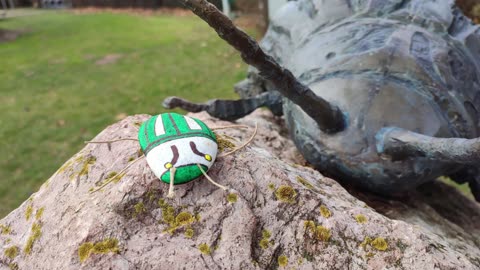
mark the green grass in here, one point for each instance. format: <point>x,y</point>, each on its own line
<point>54,96</point>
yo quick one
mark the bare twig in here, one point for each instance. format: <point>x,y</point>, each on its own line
<point>328,116</point>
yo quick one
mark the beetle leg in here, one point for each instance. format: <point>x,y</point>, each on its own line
<point>401,144</point>
<point>228,109</point>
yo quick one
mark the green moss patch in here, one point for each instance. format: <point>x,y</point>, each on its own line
<point>325,212</point>
<point>317,232</point>
<point>205,249</point>
<point>361,219</point>
<point>35,234</point>
<point>109,245</point>
<point>378,243</point>
<point>286,194</point>
<point>28,212</point>
<point>184,218</point>
<point>232,198</point>
<point>5,230</point>
<point>265,241</point>
<point>39,213</point>
<point>282,260</point>
<point>86,163</point>
<point>176,221</point>
<point>11,252</point>
<point>139,209</point>
<point>189,233</point>
<point>323,234</point>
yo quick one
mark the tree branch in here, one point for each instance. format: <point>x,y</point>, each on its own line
<point>329,117</point>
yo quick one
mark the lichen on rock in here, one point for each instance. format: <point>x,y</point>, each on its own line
<point>282,261</point>
<point>325,212</point>
<point>36,232</point>
<point>109,245</point>
<point>11,252</point>
<point>286,194</point>
<point>204,249</point>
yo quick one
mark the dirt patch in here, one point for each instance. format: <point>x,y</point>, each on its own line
<point>135,11</point>
<point>9,35</point>
<point>108,59</point>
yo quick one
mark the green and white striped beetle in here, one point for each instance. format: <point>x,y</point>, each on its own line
<point>178,148</point>
<point>171,140</point>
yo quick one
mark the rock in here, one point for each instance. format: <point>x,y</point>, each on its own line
<point>277,214</point>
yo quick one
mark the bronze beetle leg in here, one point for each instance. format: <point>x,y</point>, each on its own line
<point>227,109</point>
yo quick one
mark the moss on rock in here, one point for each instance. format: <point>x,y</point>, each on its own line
<point>379,243</point>
<point>39,213</point>
<point>205,249</point>
<point>108,245</point>
<point>35,234</point>
<point>286,194</point>
<point>189,233</point>
<point>5,230</point>
<point>11,252</point>
<point>323,234</point>
<point>28,212</point>
<point>361,219</point>
<point>325,212</point>
<point>232,198</point>
<point>282,260</point>
<point>265,241</point>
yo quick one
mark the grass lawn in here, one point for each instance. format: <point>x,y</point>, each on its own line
<point>69,76</point>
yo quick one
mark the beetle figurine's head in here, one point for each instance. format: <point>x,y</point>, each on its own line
<point>171,140</point>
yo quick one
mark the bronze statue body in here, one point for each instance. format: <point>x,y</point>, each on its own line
<point>403,73</point>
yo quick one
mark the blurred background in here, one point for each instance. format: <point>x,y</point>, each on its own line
<point>69,68</point>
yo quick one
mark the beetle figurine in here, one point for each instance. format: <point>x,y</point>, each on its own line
<point>178,148</point>
<point>384,95</point>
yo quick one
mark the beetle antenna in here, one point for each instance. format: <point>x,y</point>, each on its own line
<point>242,146</point>
<point>111,141</point>
<point>230,126</point>
<point>111,179</point>
<point>171,191</point>
<point>210,179</point>
<point>329,117</point>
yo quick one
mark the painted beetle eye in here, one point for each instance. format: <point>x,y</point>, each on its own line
<point>208,157</point>
<point>168,165</point>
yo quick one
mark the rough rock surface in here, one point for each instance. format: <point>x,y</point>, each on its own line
<point>277,214</point>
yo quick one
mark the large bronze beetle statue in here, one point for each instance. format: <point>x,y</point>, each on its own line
<point>386,95</point>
